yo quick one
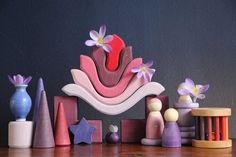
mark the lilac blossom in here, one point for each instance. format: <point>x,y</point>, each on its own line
<point>99,39</point>
<point>189,88</point>
<point>19,80</point>
<point>144,70</point>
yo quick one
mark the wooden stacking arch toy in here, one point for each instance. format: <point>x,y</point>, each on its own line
<point>204,120</point>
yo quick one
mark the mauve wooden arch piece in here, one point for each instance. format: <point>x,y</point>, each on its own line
<point>107,77</point>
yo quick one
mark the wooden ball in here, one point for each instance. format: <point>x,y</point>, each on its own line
<point>155,104</point>
<point>171,115</point>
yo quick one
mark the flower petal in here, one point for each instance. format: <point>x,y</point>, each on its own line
<point>27,80</point>
<point>107,48</point>
<point>139,75</point>
<point>19,79</point>
<point>147,77</point>
<point>11,80</point>
<point>94,35</point>
<point>90,42</point>
<point>151,71</point>
<point>135,70</point>
<point>102,31</point>
<point>107,39</point>
<point>201,96</point>
<point>149,64</point>
<point>204,88</point>
<point>182,91</point>
<point>189,83</point>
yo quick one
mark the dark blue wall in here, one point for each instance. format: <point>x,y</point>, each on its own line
<point>192,38</point>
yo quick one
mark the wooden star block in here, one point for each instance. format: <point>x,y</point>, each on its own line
<point>82,132</point>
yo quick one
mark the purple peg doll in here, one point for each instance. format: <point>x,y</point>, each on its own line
<point>171,136</point>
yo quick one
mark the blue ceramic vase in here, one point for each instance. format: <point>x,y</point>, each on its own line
<point>20,103</point>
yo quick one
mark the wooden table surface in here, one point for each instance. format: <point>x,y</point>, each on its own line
<point>135,150</point>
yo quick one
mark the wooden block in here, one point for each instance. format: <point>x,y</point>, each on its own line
<point>88,66</point>
<point>227,128</point>
<point>132,131</point>
<point>20,134</point>
<point>117,45</point>
<point>223,128</point>
<point>202,128</point>
<point>164,100</point>
<point>212,144</point>
<point>97,135</point>
<point>107,77</point>
<point>150,88</point>
<point>83,81</point>
<point>212,112</point>
<point>217,126</point>
<point>209,125</point>
<point>70,107</point>
<point>197,128</point>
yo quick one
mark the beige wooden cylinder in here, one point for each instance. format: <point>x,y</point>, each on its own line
<point>20,134</point>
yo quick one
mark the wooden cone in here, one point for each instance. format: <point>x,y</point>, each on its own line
<point>43,137</point>
<point>40,88</point>
<point>61,131</point>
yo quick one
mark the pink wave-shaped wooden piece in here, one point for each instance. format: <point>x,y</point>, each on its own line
<point>81,79</point>
<point>107,77</point>
<point>151,88</point>
<point>88,66</point>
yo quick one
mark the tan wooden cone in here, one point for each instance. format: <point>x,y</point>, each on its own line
<point>61,129</point>
<point>43,137</point>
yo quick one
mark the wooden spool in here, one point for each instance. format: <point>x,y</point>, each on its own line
<point>220,118</point>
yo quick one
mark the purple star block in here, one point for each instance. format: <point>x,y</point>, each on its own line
<point>82,132</point>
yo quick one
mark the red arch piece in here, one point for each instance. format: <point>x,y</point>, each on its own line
<point>117,45</point>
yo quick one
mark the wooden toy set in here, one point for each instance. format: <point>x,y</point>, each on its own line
<point>112,82</point>
<point>216,138</point>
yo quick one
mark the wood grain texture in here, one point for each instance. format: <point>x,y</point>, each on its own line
<point>151,88</point>
<point>118,150</point>
<point>213,112</point>
<point>107,77</point>
<point>70,106</point>
<point>132,130</point>
<point>88,66</point>
<point>81,79</point>
<point>212,144</point>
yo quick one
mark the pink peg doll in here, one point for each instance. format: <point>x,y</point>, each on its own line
<point>154,124</point>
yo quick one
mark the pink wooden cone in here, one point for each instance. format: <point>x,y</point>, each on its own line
<point>43,137</point>
<point>61,131</point>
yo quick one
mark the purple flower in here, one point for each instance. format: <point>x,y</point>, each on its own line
<point>189,88</point>
<point>19,80</point>
<point>99,39</point>
<point>144,70</point>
